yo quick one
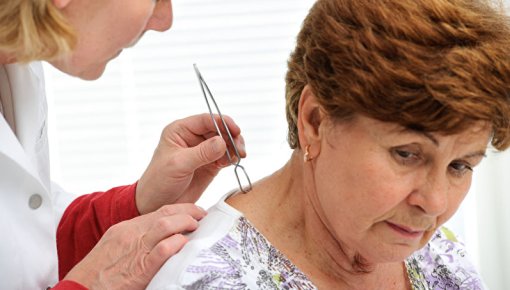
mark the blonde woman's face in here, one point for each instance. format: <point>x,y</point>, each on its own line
<point>106,27</point>
<point>382,190</point>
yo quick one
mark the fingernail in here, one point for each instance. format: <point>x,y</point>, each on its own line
<point>217,145</point>
<point>203,210</point>
<point>222,164</point>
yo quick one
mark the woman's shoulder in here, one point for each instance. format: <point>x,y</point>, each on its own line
<point>443,264</point>
<point>213,228</point>
<point>244,258</point>
<point>239,257</point>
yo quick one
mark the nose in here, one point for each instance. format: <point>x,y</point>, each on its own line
<point>162,16</point>
<point>431,193</point>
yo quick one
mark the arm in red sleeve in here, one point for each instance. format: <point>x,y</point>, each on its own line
<point>68,285</point>
<point>87,218</point>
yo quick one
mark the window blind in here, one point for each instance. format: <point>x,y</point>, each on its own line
<point>104,132</point>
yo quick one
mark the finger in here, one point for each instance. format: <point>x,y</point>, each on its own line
<point>204,153</point>
<point>241,148</point>
<point>168,226</point>
<point>234,159</point>
<point>231,125</point>
<point>225,161</point>
<point>203,124</point>
<point>193,130</point>
<point>163,251</point>
<point>238,142</point>
<point>182,208</point>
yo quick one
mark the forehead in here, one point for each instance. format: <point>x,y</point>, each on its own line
<point>478,133</point>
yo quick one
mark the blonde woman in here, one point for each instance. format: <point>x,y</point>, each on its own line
<point>80,37</point>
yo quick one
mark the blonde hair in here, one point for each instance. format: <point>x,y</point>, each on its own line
<point>34,30</point>
<point>431,65</point>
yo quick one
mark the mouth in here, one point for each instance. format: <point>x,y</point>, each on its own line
<point>406,232</point>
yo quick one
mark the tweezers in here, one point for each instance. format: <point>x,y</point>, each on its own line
<point>208,95</point>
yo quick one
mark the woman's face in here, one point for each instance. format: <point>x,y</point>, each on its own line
<point>382,190</point>
<point>105,27</point>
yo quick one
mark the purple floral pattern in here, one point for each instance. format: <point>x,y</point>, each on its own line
<point>244,259</point>
<point>442,264</point>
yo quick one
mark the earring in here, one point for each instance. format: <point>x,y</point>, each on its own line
<point>306,157</point>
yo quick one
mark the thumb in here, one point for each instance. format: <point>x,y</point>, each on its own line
<point>204,153</point>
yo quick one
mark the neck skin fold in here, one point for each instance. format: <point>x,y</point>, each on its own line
<point>282,209</point>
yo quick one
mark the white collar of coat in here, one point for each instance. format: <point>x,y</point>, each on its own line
<point>26,84</point>
<point>11,148</point>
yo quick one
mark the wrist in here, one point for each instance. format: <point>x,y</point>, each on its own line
<point>83,279</point>
<point>69,285</point>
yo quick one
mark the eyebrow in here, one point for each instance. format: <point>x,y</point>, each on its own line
<point>429,136</point>
<point>476,154</point>
<point>480,153</point>
<point>424,134</point>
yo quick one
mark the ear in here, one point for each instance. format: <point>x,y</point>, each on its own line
<point>60,4</point>
<point>310,118</point>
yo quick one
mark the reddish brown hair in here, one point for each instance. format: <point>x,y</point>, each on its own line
<point>432,65</point>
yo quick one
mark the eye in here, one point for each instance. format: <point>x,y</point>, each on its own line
<point>406,156</point>
<point>459,168</point>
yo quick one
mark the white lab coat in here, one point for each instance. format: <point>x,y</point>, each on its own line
<point>29,209</point>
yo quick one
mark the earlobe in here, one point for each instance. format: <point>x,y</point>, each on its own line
<point>310,117</point>
<point>60,4</point>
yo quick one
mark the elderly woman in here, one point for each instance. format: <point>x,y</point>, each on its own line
<point>390,105</point>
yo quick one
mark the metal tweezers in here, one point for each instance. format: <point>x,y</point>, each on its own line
<point>207,93</point>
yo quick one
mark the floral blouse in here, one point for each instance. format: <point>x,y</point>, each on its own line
<point>242,258</point>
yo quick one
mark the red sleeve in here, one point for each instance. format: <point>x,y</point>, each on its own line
<point>87,218</point>
<point>68,285</point>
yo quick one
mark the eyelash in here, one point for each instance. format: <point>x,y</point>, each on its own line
<point>408,158</point>
<point>460,172</point>
<point>404,156</point>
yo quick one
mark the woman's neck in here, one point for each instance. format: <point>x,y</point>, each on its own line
<point>6,58</point>
<point>280,208</point>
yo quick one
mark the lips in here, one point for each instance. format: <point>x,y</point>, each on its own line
<point>406,231</point>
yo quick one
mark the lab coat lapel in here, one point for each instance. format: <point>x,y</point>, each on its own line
<point>10,147</point>
<point>30,109</point>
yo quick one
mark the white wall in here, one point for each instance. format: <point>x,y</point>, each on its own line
<point>493,223</point>
<point>103,132</point>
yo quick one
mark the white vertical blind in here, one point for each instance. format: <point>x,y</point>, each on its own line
<point>104,132</point>
<point>492,221</point>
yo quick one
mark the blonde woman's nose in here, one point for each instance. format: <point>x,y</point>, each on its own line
<point>162,16</point>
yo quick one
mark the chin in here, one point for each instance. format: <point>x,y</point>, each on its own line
<point>91,74</point>
<point>390,254</point>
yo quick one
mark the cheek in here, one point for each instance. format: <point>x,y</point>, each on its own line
<point>357,191</point>
<point>129,26</point>
<point>455,198</point>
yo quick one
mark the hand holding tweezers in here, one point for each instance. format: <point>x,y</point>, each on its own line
<point>207,93</point>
